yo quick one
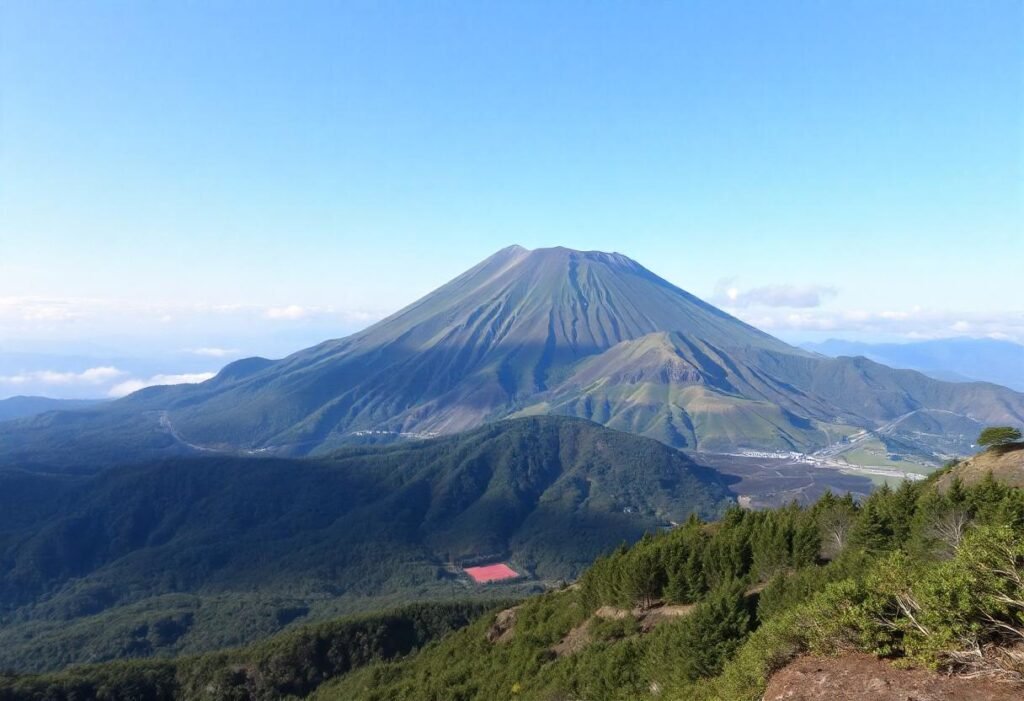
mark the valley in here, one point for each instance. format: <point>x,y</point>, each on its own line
<point>216,549</point>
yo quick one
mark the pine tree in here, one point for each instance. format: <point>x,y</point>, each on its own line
<point>872,531</point>
<point>644,574</point>
<point>899,510</point>
<point>770,547</point>
<point>696,580</point>
<point>806,541</point>
<point>713,632</point>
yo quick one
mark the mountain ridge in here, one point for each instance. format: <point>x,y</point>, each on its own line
<point>957,359</point>
<point>580,333</point>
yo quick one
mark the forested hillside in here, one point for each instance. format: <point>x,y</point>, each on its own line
<point>913,575</point>
<point>191,555</point>
<point>918,575</point>
<point>291,665</point>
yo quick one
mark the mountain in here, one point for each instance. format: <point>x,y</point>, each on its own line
<point>218,550</point>
<point>478,348</point>
<point>22,407</point>
<point>952,359</point>
<point>586,334</point>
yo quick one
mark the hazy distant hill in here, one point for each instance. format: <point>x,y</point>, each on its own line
<point>952,359</point>
<point>22,407</point>
<point>218,550</point>
<point>547,331</point>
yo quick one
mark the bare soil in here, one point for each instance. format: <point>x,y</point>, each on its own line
<point>504,626</point>
<point>1006,465</point>
<point>574,641</point>
<point>579,637</point>
<point>860,676</point>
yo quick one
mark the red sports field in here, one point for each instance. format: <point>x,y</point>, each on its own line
<point>491,573</point>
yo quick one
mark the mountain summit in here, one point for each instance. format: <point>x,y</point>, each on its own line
<point>559,331</point>
<point>485,345</point>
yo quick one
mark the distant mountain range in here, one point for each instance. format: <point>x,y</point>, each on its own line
<point>549,331</point>
<point>23,407</point>
<point>951,359</point>
<point>206,552</point>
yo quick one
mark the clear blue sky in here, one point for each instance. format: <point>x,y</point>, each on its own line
<point>227,171</point>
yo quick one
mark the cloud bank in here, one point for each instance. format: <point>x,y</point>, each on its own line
<point>93,382</point>
<point>727,294</point>
<point>213,352</point>
<point>21,315</point>
<point>916,323</point>
<point>134,385</point>
<point>291,313</point>
<point>91,376</point>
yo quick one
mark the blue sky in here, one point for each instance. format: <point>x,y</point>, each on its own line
<point>255,176</point>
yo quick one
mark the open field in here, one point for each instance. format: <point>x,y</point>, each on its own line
<point>496,572</point>
<point>765,481</point>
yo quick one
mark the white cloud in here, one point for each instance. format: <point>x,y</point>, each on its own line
<point>92,376</point>
<point>289,313</point>
<point>38,310</point>
<point>213,352</point>
<point>913,323</point>
<point>81,317</point>
<point>729,295</point>
<point>295,312</point>
<point>128,386</point>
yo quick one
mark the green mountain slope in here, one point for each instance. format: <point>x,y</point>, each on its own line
<point>687,392</point>
<point>219,550</point>
<point>709,611</point>
<point>704,612</point>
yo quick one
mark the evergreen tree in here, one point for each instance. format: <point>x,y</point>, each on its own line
<point>696,581</point>
<point>713,632</point>
<point>771,550</point>
<point>899,509</point>
<point>872,530</point>
<point>644,574</point>
<point>806,541</point>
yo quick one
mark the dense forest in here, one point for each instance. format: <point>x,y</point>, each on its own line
<point>290,665</point>
<point>185,556</point>
<point>929,574</point>
<point>916,574</point>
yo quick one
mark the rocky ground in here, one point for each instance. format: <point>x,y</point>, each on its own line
<point>859,676</point>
